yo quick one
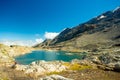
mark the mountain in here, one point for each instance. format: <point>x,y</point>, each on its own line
<point>44,44</point>
<point>101,31</point>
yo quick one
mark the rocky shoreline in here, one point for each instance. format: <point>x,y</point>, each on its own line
<point>50,67</point>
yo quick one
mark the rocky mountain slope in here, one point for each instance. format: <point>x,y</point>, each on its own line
<point>45,43</point>
<point>101,31</point>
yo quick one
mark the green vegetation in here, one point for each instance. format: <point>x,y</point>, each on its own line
<point>76,66</point>
<point>54,73</point>
<point>73,67</point>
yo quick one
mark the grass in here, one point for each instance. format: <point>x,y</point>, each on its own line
<point>53,73</point>
<point>76,66</point>
<point>3,76</point>
<point>73,67</point>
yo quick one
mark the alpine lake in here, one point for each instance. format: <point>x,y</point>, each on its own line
<point>47,55</point>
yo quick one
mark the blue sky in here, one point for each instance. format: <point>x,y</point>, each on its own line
<point>31,19</point>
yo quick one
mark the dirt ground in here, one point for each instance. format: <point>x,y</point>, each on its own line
<point>92,74</point>
<point>7,73</point>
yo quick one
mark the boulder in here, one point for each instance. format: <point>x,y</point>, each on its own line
<point>42,67</point>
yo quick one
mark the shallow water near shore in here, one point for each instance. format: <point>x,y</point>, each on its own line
<point>48,56</point>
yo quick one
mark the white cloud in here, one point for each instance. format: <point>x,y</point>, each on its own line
<point>39,40</point>
<point>21,42</point>
<point>50,35</point>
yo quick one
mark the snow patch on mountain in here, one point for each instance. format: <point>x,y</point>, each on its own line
<point>116,9</point>
<point>101,17</point>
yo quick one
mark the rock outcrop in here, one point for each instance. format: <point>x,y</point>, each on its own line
<point>42,67</point>
<point>106,59</point>
<point>39,68</point>
<point>8,52</point>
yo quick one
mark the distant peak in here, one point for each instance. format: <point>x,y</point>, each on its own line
<point>65,29</point>
<point>116,8</point>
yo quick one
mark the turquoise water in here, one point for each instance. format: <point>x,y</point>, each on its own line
<point>48,56</point>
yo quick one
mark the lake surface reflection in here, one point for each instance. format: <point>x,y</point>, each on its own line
<point>48,56</point>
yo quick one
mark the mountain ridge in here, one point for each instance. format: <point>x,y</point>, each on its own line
<point>105,27</point>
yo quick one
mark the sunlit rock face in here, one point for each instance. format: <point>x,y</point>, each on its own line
<point>8,52</point>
